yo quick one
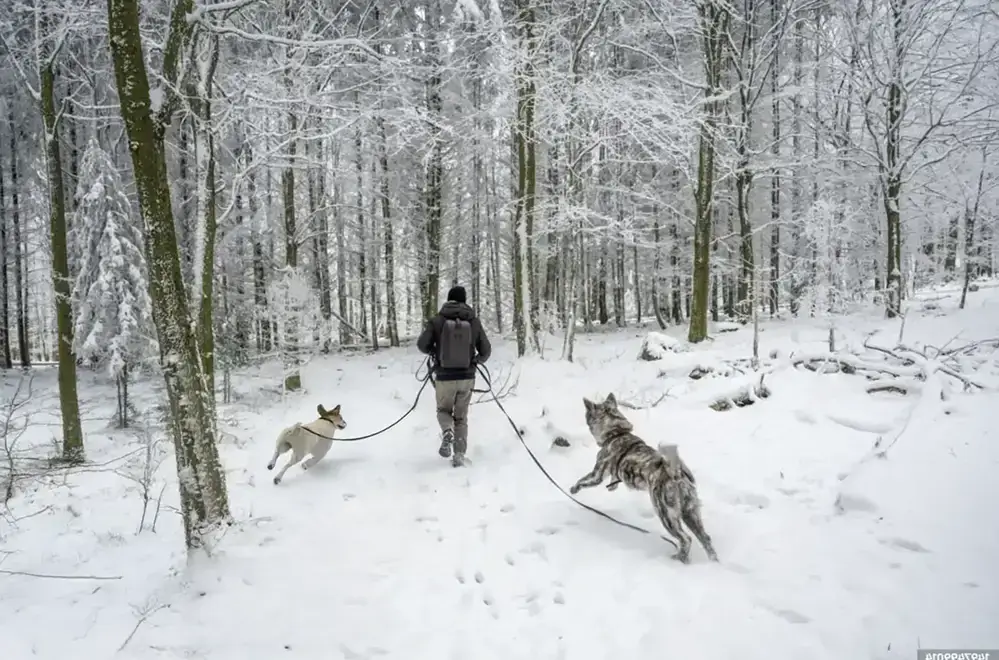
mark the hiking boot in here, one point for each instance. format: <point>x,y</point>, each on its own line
<point>445,449</point>
<point>458,460</point>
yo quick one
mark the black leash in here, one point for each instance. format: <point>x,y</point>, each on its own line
<point>430,375</point>
<point>425,379</point>
<point>484,371</point>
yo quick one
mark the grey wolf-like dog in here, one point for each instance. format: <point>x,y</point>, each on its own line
<point>625,457</point>
<point>315,438</point>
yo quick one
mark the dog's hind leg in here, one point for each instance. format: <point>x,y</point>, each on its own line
<point>296,456</point>
<point>669,514</point>
<point>692,518</point>
<point>279,449</point>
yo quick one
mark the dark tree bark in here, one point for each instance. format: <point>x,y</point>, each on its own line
<point>201,479</point>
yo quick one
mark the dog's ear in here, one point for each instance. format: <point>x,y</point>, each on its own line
<point>321,410</point>
<point>611,400</point>
<point>589,404</point>
<point>336,411</point>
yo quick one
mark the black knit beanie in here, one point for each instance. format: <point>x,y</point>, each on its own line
<point>457,294</point>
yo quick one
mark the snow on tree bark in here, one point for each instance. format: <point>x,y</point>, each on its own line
<point>714,22</point>
<point>203,496</point>
<point>69,404</point>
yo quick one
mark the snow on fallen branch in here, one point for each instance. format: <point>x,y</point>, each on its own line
<point>930,368</point>
<point>904,363</point>
<point>52,576</point>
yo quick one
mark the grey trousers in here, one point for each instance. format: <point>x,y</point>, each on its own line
<point>453,399</point>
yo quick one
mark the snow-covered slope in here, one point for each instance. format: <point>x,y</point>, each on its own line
<point>385,551</point>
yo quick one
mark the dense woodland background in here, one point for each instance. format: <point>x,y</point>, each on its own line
<point>188,187</point>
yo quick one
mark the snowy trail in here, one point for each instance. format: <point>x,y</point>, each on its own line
<point>384,551</point>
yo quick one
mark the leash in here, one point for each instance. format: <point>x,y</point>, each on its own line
<point>425,379</point>
<point>484,371</point>
<point>430,374</point>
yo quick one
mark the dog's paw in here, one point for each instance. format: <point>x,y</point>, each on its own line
<point>277,480</point>
<point>270,466</point>
<point>613,485</point>
<point>574,489</point>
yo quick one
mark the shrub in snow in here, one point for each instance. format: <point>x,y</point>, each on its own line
<point>113,320</point>
<point>656,346</point>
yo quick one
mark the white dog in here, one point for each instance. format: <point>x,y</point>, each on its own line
<point>314,438</point>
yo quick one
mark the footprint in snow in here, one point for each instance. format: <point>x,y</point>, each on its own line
<point>548,530</point>
<point>790,616</point>
<point>903,544</point>
<point>507,508</point>
<point>535,548</point>
<point>532,603</point>
<point>753,500</point>
<point>479,577</point>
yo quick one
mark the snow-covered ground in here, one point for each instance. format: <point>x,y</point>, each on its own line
<point>385,551</point>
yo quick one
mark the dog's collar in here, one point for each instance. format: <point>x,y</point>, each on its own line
<point>324,437</point>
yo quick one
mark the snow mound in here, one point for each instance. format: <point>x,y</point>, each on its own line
<point>657,346</point>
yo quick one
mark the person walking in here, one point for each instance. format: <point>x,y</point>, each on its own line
<point>456,342</point>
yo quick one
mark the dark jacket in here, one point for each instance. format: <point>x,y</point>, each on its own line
<point>430,339</point>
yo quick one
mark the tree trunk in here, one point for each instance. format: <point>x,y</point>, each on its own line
<point>362,232</point>
<point>676,313</point>
<point>201,479</point>
<point>656,277</point>
<point>206,243</point>
<point>341,256</point>
<point>372,258</point>
<point>258,224</point>
<point>323,251</point>
<point>743,192</point>
<point>289,348</point>
<point>434,184</point>
<point>892,169</point>
<point>797,212</point>
<point>525,312</point>
<point>20,276</point>
<point>72,431</point>
<point>391,314</point>
<point>714,21</point>
<point>775,152</point>
<point>5,357</point>
<point>970,223</point>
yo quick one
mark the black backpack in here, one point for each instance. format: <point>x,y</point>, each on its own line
<point>456,344</point>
